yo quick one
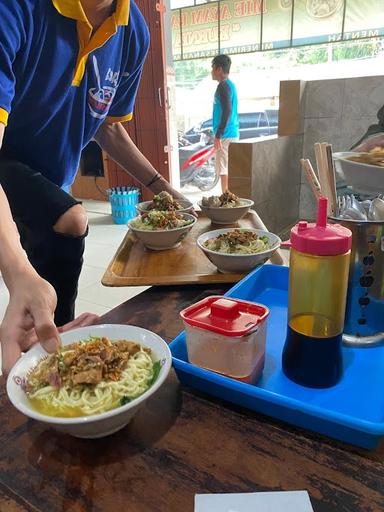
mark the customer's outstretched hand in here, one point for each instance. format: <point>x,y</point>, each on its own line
<point>29,319</point>
<point>31,307</point>
<point>83,320</point>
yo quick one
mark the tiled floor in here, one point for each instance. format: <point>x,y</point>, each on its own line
<point>103,240</point>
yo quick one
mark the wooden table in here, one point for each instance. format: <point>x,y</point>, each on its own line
<point>181,443</point>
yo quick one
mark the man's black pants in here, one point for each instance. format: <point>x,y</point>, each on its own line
<point>36,204</point>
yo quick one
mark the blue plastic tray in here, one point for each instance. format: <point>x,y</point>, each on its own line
<point>352,411</point>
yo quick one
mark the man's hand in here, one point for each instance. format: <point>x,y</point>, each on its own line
<point>23,327</point>
<point>177,195</point>
<point>370,143</point>
<point>115,141</point>
<point>217,144</point>
<point>83,320</point>
<point>31,305</point>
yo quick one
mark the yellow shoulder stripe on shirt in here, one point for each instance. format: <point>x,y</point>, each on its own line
<point>88,42</point>
<point>3,116</point>
<point>123,119</point>
<point>74,10</point>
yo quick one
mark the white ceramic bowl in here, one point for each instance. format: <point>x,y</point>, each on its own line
<point>220,215</point>
<point>163,239</point>
<point>97,425</point>
<point>186,206</point>
<point>364,178</point>
<point>238,263</point>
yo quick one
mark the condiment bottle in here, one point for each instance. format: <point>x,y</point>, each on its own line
<point>318,280</point>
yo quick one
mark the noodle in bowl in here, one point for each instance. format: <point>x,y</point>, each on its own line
<point>99,409</point>
<point>239,263</point>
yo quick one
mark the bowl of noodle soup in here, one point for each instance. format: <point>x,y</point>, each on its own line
<point>227,208</point>
<point>95,384</point>
<point>238,250</point>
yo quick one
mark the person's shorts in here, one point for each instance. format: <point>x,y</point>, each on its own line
<point>35,201</point>
<point>221,161</point>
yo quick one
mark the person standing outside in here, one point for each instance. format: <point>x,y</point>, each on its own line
<point>225,116</point>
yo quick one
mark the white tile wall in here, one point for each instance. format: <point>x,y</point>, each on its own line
<point>339,112</point>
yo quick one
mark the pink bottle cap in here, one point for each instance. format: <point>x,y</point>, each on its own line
<point>321,239</point>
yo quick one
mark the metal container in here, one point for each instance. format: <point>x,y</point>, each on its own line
<point>364,316</point>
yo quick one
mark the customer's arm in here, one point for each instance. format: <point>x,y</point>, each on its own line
<point>374,136</point>
<point>115,141</point>
<point>32,300</point>
<point>371,142</point>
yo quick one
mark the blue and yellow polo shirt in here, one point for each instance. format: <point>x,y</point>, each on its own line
<point>59,81</point>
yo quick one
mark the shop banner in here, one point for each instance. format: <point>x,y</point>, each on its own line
<point>241,26</point>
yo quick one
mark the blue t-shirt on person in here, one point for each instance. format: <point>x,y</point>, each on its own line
<point>59,81</point>
<point>225,116</point>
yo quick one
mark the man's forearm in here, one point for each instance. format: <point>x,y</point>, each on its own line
<point>12,257</point>
<point>116,142</point>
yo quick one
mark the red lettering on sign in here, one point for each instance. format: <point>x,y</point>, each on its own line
<point>249,7</point>
<point>225,32</point>
<point>175,21</point>
<point>203,16</point>
<point>204,36</point>
<point>225,13</point>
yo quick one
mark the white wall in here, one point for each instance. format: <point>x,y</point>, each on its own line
<point>338,112</point>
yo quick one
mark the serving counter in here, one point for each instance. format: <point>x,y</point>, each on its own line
<point>181,443</point>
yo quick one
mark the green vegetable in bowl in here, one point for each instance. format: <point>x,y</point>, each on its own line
<point>156,372</point>
<point>124,400</point>
<point>238,241</point>
<point>157,220</point>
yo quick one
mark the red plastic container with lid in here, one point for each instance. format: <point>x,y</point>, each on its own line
<point>318,280</point>
<point>227,336</point>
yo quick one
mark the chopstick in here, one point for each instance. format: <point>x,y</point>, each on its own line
<point>323,178</point>
<point>331,177</point>
<point>324,175</point>
<point>311,177</point>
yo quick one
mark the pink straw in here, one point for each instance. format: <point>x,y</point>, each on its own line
<point>322,212</point>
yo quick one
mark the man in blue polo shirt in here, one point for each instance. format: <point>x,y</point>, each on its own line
<point>69,73</point>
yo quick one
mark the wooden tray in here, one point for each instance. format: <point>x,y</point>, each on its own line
<point>134,265</point>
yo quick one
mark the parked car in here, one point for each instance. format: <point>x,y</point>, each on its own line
<point>251,124</point>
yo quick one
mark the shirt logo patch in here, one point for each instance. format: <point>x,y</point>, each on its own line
<point>112,76</point>
<point>100,98</point>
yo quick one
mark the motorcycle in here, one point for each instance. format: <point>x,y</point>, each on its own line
<point>197,162</point>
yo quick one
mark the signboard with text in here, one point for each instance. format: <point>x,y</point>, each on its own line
<point>241,26</point>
